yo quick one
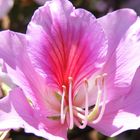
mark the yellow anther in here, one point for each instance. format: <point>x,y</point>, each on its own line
<point>53,117</point>
<point>99,82</point>
<point>5,88</point>
<point>95,112</point>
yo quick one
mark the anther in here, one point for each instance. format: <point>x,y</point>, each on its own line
<point>103,78</point>
<point>86,83</point>
<point>86,106</point>
<point>97,79</point>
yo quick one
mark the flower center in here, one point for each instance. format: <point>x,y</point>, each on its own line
<point>79,116</point>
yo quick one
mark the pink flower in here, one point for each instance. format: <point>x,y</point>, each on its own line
<point>5,6</point>
<point>69,62</point>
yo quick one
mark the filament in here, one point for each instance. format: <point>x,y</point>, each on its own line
<point>70,104</point>
<point>62,105</point>
<point>86,106</point>
<point>81,116</point>
<point>99,82</point>
<point>104,103</point>
<point>78,109</point>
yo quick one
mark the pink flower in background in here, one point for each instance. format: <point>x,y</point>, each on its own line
<point>5,6</point>
<point>72,69</point>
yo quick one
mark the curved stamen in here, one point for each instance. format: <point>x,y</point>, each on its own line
<point>78,109</point>
<point>104,102</point>
<point>95,112</point>
<point>62,105</point>
<point>86,106</point>
<point>70,104</point>
<point>79,115</point>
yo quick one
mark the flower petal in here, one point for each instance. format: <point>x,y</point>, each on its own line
<point>9,118</point>
<point>116,24</point>
<point>123,113</point>
<point>12,51</point>
<point>67,40</point>
<point>15,112</point>
<point>11,45</point>
<point>22,73</point>
<point>123,62</point>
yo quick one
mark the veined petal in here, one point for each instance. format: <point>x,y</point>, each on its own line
<point>67,40</point>
<point>9,118</point>
<point>122,85</point>
<point>13,55</point>
<point>123,63</point>
<point>16,112</point>
<point>115,25</point>
<point>122,113</point>
<point>42,99</point>
<point>21,71</point>
<point>10,52</point>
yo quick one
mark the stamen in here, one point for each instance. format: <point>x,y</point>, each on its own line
<point>78,109</point>
<point>104,101</point>
<point>79,115</point>
<point>70,104</point>
<point>86,106</point>
<point>95,112</point>
<point>97,80</point>
<point>62,105</point>
<point>5,89</point>
<point>77,122</point>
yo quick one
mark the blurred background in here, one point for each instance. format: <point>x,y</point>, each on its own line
<point>17,18</point>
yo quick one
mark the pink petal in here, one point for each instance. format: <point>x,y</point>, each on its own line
<point>11,46</point>
<point>22,72</point>
<point>116,24</point>
<point>123,113</point>
<point>67,40</point>
<point>122,85</point>
<point>9,118</point>
<point>12,51</point>
<point>123,62</point>
<point>33,119</point>
<point>16,112</point>
<point>118,77</point>
<point>5,6</point>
